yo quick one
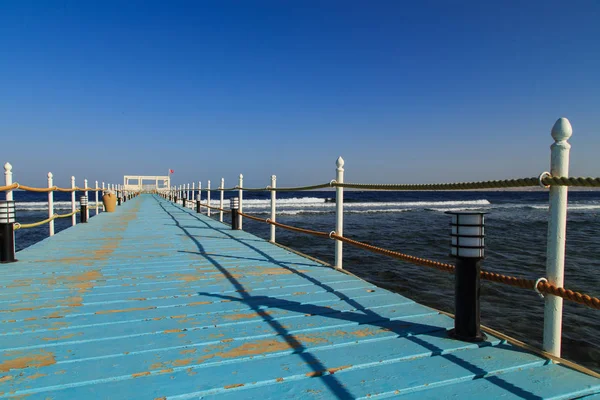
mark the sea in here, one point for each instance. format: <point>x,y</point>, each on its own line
<point>414,222</point>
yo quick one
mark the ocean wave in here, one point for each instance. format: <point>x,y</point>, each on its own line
<point>41,205</point>
<point>455,209</point>
<point>346,211</point>
<point>311,202</point>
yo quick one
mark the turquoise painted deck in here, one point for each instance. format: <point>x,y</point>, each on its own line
<point>155,301</point>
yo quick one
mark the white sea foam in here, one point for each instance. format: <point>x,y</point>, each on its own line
<point>41,206</point>
<point>454,209</point>
<point>312,202</point>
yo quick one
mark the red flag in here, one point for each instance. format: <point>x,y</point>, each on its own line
<point>171,171</point>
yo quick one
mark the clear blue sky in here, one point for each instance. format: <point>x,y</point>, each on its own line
<point>405,91</point>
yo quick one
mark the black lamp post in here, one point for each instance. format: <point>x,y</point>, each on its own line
<point>7,231</point>
<point>468,246</point>
<point>83,204</point>
<point>234,204</point>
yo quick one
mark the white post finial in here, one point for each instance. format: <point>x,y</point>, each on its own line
<point>562,130</point>
<point>73,217</point>
<point>240,185</point>
<point>557,229</point>
<point>339,212</point>
<point>50,204</point>
<point>222,199</point>
<point>273,207</point>
<point>8,180</point>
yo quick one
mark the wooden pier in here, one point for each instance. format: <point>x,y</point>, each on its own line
<point>155,301</point>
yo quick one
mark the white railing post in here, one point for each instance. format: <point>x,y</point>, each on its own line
<point>103,209</point>
<point>200,195</point>
<point>557,229</point>
<point>273,200</point>
<point>240,185</point>
<point>339,211</point>
<point>8,180</point>
<point>50,204</point>
<point>193,193</point>
<point>188,196</point>
<point>73,217</point>
<point>221,199</point>
<point>208,198</point>
<point>97,205</point>
<point>85,193</point>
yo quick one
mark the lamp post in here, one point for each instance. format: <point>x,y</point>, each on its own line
<point>468,246</point>
<point>234,204</point>
<point>83,204</point>
<point>7,234</point>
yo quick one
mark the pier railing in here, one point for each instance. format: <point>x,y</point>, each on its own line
<point>10,186</point>
<point>557,180</point>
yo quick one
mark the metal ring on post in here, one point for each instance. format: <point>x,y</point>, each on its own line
<point>17,225</point>
<point>535,286</point>
<point>331,233</point>
<point>543,175</point>
<point>331,182</point>
<point>268,220</point>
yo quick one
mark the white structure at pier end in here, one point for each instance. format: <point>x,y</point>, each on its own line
<point>161,183</point>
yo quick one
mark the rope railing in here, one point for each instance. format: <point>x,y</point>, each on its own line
<point>496,184</point>
<point>289,227</point>
<point>468,268</point>
<point>539,286</point>
<point>216,208</point>
<point>546,180</point>
<point>17,185</point>
<point>45,221</point>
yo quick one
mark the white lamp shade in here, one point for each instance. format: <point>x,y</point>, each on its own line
<point>467,234</point>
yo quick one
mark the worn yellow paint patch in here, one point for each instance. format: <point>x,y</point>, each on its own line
<point>40,358</point>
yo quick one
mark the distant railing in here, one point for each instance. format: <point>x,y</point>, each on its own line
<point>10,186</point>
<point>557,181</point>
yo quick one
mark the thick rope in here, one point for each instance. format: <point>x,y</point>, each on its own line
<point>66,215</point>
<point>18,225</point>
<point>215,208</point>
<point>507,183</point>
<point>9,187</point>
<point>542,286</point>
<point>34,189</point>
<point>269,189</point>
<point>291,228</point>
<point>395,254</point>
<point>575,181</point>
<point>46,189</point>
<point>299,188</point>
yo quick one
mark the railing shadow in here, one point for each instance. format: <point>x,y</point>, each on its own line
<point>399,327</point>
<point>336,387</point>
